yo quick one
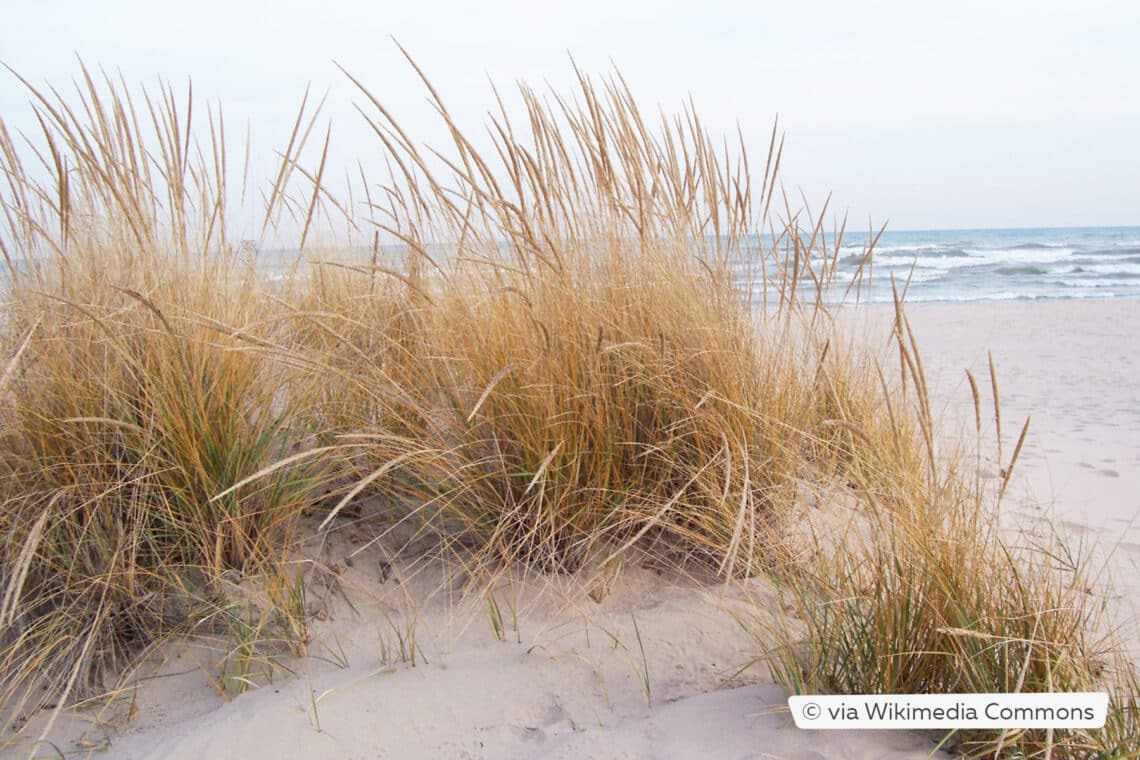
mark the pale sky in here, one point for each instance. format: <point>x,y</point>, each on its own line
<point>920,114</point>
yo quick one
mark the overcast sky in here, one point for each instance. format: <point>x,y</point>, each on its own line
<point>926,115</point>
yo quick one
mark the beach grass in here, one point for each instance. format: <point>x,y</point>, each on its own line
<point>549,362</point>
<point>130,404</point>
<point>925,593</point>
<point>580,372</point>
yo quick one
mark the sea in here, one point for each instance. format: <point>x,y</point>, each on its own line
<point>1026,264</point>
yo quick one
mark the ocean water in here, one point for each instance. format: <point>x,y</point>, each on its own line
<point>948,265</point>
<point>1001,264</point>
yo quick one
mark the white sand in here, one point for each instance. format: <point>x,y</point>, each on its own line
<point>571,682</point>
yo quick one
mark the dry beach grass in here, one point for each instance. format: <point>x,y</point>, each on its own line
<point>557,368</point>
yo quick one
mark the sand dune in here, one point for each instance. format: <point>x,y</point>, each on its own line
<point>655,669</point>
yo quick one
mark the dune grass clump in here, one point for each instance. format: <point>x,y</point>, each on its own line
<point>924,594</point>
<point>128,401</point>
<point>574,366</point>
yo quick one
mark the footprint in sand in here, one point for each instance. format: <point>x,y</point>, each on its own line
<point>531,721</point>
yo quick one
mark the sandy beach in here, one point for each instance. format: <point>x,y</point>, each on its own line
<point>408,666</point>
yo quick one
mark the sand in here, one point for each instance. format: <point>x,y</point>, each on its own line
<point>658,668</point>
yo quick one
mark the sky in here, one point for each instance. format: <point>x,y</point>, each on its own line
<point>919,115</point>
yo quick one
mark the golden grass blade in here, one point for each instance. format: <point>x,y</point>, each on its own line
<point>10,368</point>
<point>997,405</point>
<point>316,189</point>
<point>490,387</point>
<point>365,482</point>
<point>976,396</point>
<point>15,586</point>
<point>1007,471</point>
